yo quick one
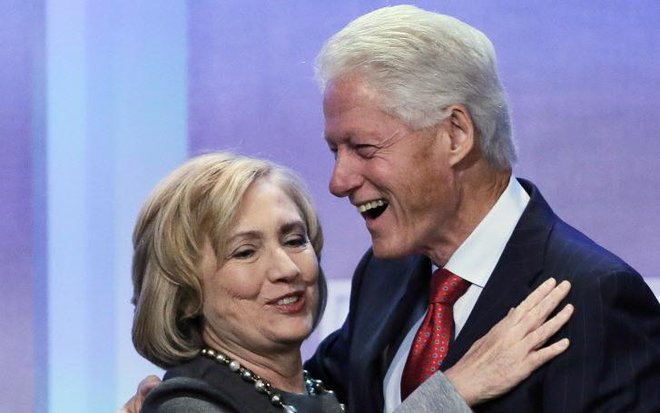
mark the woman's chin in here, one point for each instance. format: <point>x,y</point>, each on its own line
<point>293,334</point>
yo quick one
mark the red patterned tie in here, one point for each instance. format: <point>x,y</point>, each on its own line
<point>436,331</point>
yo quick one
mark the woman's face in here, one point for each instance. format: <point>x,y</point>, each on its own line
<point>263,294</point>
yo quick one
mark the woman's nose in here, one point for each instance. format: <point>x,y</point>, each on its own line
<point>282,267</point>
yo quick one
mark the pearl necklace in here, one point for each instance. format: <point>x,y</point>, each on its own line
<point>263,386</point>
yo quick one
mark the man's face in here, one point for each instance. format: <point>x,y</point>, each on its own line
<point>399,179</point>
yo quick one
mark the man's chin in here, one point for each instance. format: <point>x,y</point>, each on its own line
<point>387,251</point>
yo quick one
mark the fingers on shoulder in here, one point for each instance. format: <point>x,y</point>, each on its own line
<point>147,384</point>
<point>536,308</point>
<point>543,355</point>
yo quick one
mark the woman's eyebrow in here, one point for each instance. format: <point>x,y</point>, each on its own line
<point>244,235</point>
<point>297,225</point>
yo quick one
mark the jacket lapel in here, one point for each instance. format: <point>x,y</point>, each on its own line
<point>514,277</point>
<point>393,290</point>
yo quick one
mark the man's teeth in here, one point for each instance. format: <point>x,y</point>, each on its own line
<point>288,300</point>
<point>370,205</point>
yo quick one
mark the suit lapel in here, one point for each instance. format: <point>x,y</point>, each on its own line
<point>393,295</point>
<point>393,290</point>
<point>411,304</point>
<point>514,277</point>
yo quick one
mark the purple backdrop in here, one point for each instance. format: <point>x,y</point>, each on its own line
<point>22,290</point>
<point>582,79</point>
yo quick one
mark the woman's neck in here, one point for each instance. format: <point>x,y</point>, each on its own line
<point>281,367</point>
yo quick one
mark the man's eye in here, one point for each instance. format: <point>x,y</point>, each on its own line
<point>366,151</point>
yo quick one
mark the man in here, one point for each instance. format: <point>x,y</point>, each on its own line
<point>416,117</point>
<point>418,122</point>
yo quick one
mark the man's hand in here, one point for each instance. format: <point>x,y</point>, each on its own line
<point>134,404</point>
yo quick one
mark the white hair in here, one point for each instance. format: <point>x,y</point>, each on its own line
<point>420,63</point>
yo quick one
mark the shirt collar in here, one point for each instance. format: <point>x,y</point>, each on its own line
<point>476,257</point>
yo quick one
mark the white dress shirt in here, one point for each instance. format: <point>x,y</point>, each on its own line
<point>474,261</point>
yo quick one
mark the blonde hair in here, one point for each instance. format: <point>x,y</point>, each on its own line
<point>197,201</point>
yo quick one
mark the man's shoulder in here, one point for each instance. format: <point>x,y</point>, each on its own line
<point>565,246</point>
<point>571,247</point>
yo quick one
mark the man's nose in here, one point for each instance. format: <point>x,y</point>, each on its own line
<point>345,178</point>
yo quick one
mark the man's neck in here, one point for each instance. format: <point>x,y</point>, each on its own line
<point>478,191</point>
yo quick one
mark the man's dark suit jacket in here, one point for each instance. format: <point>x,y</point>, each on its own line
<point>612,364</point>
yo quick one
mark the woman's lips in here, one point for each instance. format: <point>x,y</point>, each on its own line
<point>290,303</point>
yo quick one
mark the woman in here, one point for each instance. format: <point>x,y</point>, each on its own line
<point>227,285</point>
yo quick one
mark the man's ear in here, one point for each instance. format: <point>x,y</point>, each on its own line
<point>461,133</point>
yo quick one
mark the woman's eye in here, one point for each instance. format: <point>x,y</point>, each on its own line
<point>296,241</point>
<point>243,253</point>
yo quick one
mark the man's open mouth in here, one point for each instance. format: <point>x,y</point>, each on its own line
<point>373,209</point>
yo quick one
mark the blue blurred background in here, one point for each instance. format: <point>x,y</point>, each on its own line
<point>100,99</point>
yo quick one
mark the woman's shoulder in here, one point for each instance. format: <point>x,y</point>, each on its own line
<point>196,368</point>
<point>185,394</point>
<point>203,384</point>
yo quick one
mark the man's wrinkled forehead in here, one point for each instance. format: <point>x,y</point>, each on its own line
<point>352,88</point>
